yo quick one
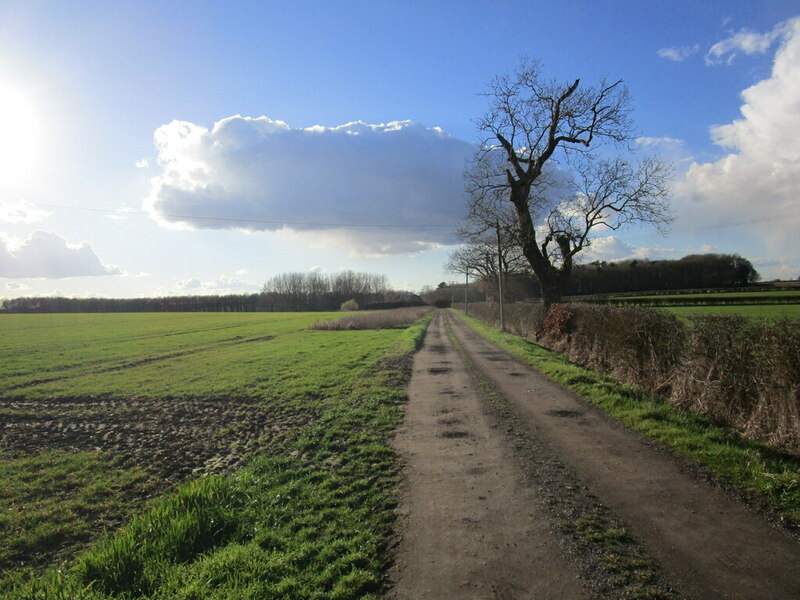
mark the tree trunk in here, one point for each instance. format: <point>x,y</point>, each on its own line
<point>550,279</point>
<point>550,290</point>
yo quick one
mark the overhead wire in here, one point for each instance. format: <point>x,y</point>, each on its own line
<point>240,220</point>
<point>177,217</point>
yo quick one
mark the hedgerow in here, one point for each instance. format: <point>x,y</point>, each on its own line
<point>741,372</point>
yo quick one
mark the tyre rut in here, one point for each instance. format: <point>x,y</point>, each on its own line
<point>704,539</point>
<point>470,526</point>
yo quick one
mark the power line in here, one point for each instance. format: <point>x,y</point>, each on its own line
<point>237,220</point>
<point>379,225</point>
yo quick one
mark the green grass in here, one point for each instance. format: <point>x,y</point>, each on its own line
<point>53,502</point>
<point>755,311</point>
<point>754,467</point>
<point>724,303</point>
<point>311,518</point>
<point>719,295</point>
<point>155,355</point>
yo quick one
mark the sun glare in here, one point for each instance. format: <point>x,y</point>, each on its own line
<point>18,136</point>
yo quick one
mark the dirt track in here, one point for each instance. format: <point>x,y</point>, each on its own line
<point>495,488</point>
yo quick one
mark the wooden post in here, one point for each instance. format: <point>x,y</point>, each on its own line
<point>500,279</point>
<point>466,291</point>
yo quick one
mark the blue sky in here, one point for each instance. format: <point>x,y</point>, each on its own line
<point>94,168</point>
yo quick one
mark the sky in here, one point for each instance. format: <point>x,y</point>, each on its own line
<point>159,148</point>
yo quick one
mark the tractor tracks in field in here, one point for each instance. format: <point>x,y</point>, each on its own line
<point>517,488</point>
<point>172,438</point>
<point>141,362</point>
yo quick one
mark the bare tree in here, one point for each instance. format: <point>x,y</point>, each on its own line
<point>538,155</point>
<point>477,258</point>
<point>490,253</point>
<point>489,232</point>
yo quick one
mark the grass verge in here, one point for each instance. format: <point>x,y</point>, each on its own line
<point>773,477</point>
<point>755,311</point>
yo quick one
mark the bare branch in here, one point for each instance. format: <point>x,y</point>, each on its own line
<point>537,159</point>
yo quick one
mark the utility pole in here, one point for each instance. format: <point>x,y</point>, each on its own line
<point>466,291</point>
<point>500,277</point>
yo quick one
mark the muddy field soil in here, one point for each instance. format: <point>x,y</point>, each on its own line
<point>173,438</point>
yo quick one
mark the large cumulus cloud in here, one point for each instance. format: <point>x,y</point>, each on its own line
<point>47,255</point>
<point>758,181</point>
<point>379,188</point>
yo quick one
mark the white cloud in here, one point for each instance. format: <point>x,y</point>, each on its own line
<point>17,286</point>
<point>121,214</point>
<point>678,53</point>
<point>758,182</point>
<point>258,174</point>
<point>47,255</point>
<point>221,285</point>
<point>749,42</point>
<point>611,248</point>
<point>608,248</point>
<point>189,284</point>
<point>371,243</point>
<point>669,148</point>
<point>659,141</point>
<point>232,283</point>
<point>142,163</point>
<point>783,267</point>
<point>21,211</point>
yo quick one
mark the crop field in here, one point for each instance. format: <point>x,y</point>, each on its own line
<point>750,311</point>
<point>196,455</point>
<point>716,295</point>
<point>770,305</point>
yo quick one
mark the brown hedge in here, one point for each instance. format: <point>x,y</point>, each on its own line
<point>738,371</point>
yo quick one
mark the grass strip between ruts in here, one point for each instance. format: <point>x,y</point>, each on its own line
<point>754,467</point>
<point>312,521</point>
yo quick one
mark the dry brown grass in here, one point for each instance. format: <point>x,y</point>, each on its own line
<point>522,318</point>
<point>738,371</point>
<point>745,373</point>
<point>379,319</point>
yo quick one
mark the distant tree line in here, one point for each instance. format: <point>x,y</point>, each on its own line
<point>227,303</point>
<point>690,272</point>
<point>321,291</point>
<point>695,271</point>
<point>453,293</point>
<point>286,292</point>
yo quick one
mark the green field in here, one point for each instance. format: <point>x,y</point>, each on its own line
<point>751,311</point>
<point>752,305</point>
<point>717,295</point>
<point>199,455</point>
